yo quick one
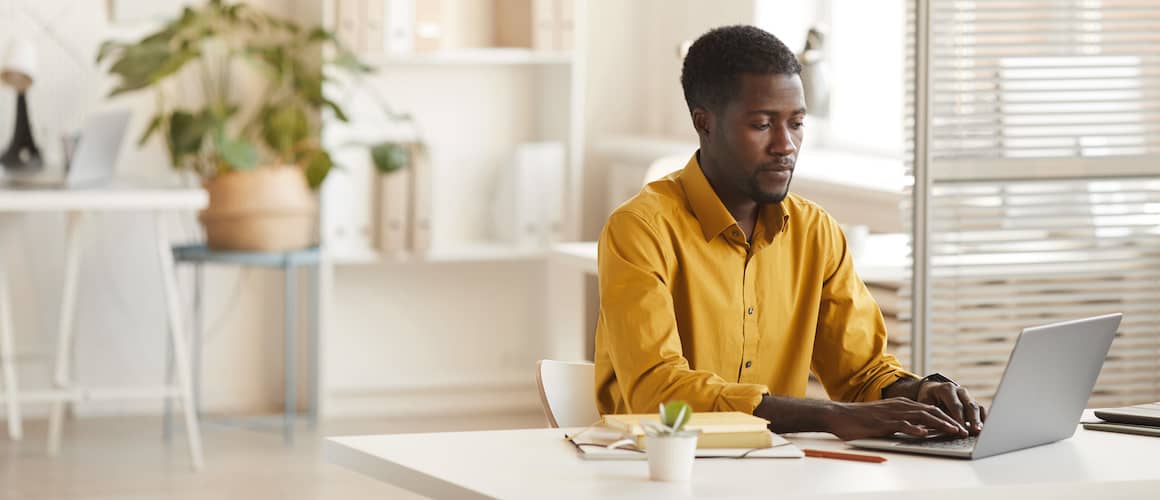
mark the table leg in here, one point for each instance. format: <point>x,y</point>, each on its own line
<point>196,335</point>
<point>7,359</point>
<point>62,367</point>
<point>315,396</point>
<point>167,411</point>
<point>177,335</point>
<point>290,312</point>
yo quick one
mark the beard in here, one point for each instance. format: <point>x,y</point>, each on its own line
<point>763,195</point>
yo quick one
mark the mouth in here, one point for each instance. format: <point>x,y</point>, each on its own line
<point>775,172</point>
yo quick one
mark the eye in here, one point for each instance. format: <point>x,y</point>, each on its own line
<point>763,126</point>
<point>797,125</point>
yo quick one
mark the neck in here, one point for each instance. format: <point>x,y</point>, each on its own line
<point>740,206</point>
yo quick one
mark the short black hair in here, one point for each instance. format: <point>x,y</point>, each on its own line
<point>717,59</point>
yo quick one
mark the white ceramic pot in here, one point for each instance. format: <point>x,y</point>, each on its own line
<point>670,458</point>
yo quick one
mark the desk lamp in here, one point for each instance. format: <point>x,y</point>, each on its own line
<point>17,72</point>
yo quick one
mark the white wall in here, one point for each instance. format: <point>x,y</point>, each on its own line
<point>120,315</point>
<point>634,73</point>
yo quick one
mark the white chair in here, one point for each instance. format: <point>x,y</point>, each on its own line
<point>663,166</point>
<point>567,392</point>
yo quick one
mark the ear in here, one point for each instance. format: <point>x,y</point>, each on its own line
<point>703,122</point>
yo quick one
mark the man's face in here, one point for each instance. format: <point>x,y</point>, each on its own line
<point>756,137</point>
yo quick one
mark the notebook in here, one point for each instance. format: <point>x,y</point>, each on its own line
<point>592,444</point>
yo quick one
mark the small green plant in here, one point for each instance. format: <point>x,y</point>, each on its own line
<point>211,131</point>
<point>673,417</point>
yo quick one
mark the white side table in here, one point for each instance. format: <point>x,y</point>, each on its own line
<point>79,204</point>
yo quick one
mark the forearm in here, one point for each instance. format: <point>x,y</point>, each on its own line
<point>796,415</point>
<point>644,389</point>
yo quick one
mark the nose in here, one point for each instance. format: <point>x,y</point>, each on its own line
<point>783,143</point>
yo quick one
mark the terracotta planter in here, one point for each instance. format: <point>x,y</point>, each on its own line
<point>265,209</point>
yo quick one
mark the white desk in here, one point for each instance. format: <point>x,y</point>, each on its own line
<point>884,259</point>
<point>78,204</point>
<point>538,463</point>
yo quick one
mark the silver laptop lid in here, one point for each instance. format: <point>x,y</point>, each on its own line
<point>95,158</point>
<point>1049,378</point>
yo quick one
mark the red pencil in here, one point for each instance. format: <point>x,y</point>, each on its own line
<point>844,456</point>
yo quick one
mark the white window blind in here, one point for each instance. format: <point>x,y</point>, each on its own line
<point>1039,134</point>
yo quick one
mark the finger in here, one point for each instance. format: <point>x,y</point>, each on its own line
<point>908,428</point>
<point>934,418</point>
<point>948,400</point>
<point>941,415</point>
<point>974,421</point>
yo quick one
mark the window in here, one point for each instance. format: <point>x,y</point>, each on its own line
<point>864,63</point>
<point>1042,135</point>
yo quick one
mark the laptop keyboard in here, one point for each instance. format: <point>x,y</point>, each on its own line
<point>946,444</point>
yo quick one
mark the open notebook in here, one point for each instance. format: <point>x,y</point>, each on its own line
<point>592,444</point>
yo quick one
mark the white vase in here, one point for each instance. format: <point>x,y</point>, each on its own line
<point>670,458</point>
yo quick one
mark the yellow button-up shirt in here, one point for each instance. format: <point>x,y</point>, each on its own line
<point>691,310</point>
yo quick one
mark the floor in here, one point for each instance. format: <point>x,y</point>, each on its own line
<point>125,459</point>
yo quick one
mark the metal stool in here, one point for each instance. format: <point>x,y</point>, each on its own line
<point>289,262</point>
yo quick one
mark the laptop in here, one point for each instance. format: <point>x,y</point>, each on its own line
<point>92,163</point>
<point>1041,397</point>
<point>1145,414</point>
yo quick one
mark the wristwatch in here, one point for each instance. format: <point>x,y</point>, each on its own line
<point>936,377</point>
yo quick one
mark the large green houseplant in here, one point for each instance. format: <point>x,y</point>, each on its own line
<point>257,151</point>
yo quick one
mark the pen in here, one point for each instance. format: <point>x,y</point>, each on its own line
<point>844,456</point>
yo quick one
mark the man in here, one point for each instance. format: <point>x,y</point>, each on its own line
<point>721,288</point>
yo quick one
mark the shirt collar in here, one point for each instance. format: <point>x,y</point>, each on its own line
<point>712,214</point>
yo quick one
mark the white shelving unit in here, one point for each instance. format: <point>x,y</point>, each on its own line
<point>470,57</point>
<point>388,317</point>
<point>474,105</point>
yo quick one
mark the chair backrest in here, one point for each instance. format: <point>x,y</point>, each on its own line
<point>663,166</point>
<point>567,392</point>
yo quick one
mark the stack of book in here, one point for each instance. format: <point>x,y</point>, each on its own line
<point>718,429</point>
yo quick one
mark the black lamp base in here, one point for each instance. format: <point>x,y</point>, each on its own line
<point>22,154</point>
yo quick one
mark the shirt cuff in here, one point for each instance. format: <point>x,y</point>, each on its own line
<point>741,397</point>
<point>884,381</point>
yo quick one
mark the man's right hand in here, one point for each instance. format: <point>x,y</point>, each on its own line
<point>888,416</point>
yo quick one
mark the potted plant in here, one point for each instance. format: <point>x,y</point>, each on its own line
<point>670,447</point>
<point>257,152</point>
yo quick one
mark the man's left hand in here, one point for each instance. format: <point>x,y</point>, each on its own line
<point>955,401</point>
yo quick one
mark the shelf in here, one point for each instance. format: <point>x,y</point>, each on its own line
<point>470,57</point>
<point>469,252</point>
<point>484,252</point>
<point>354,257</point>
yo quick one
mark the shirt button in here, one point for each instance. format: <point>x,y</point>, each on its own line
<point>736,233</point>
<point>750,310</point>
<point>748,364</point>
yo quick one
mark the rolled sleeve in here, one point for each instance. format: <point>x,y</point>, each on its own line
<point>850,355</point>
